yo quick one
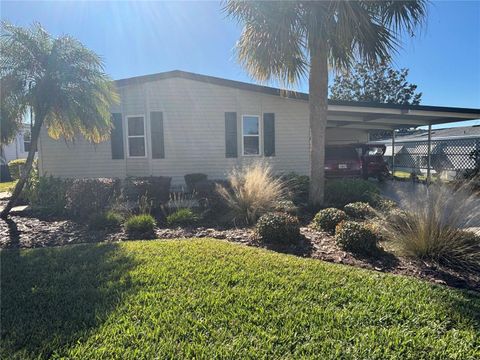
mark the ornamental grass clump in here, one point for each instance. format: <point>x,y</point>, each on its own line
<point>140,225</point>
<point>254,191</point>
<point>438,223</point>
<point>327,219</point>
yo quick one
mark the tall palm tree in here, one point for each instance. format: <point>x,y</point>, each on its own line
<point>289,40</point>
<point>60,80</point>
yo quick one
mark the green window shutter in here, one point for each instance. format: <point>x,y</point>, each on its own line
<point>231,134</point>
<point>116,136</point>
<point>269,134</point>
<point>156,129</point>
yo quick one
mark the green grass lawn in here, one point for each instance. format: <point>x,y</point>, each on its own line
<point>7,186</point>
<point>208,299</point>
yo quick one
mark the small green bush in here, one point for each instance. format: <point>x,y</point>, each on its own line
<point>356,237</point>
<point>182,217</point>
<point>192,179</point>
<point>339,193</point>
<point>46,194</point>
<point>286,206</point>
<point>359,210</point>
<point>327,219</point>
<point>278,227</point>
<point>140,225</point>
<point>298,186</point>
<point>15,167</point>
<point>108,220</point>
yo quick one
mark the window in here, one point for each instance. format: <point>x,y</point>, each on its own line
<point>251,135</point>
<point>26,141</point>
<point>136,136</point>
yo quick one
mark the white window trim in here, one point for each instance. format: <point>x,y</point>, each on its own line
<point>259,137</point>
<point>136,136</point>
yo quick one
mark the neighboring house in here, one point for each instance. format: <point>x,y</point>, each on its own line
<point>20,146</point>
<point>175,123</point>
<point>451,150</point>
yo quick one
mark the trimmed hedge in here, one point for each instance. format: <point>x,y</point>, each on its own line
<point>155,188</point>
<point>87,196</point>
<point>359,210</point>
<point>359,238</point>
<point>339,193</point>
<point>192,179</point>
<point>278,228</point>
<point>16,167</point>
<point>327,219</point>
<point>108,220</point>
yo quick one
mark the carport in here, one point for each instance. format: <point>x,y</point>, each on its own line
<point>372,116</point>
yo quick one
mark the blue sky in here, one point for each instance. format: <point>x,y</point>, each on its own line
<point>136,38</point>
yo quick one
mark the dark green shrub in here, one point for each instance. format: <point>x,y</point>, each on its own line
<point>327,219</point>
<point>182,217</point>
<point>88,196</point>
<point>298,186</point>
<point>356,237</point>
<point>155,188</point>
<point>278,227</point>
<point>359,210</point>
<point>286,206</point>
<point>140,225</point>
<point>339,193</point>
<point>192,179</point>
<point>16,167</point>
<point>46,194</point>
<point>108,220</point>
<point>208,196</point>
<point>381,203</point>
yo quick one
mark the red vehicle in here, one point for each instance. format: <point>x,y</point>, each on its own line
<point>342,161</point>
<point>373,163</point>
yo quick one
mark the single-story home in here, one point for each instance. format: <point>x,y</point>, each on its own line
<point>175,123</point>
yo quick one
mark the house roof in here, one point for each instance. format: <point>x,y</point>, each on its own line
<point>341,114</point>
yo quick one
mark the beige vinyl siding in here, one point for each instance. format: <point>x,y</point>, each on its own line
<point>194,133</point>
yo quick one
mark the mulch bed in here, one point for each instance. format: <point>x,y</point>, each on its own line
<point>27,231</point>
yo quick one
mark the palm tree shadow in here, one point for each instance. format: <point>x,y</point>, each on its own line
<point>13,234</point>
<point>53,298</point>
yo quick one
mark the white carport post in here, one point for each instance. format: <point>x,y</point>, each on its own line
<point>429,152</point>
<point>393,154</point>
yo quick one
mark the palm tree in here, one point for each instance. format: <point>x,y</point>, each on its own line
<point>288,40</point>
<point>60,80</point>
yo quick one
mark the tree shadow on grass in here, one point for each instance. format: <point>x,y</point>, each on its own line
<point>52,298</point>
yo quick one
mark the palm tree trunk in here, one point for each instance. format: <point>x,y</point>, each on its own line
<point>318,104</point>
<point>24,175</point>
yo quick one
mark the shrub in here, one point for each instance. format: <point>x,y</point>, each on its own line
<point>433,223</point>
<point>286,206</point>
<point>108,220</point>
<point>87,196</point>
<point>339,193</point>
<point>327,219</point>
<point>182,217</point>
<point>278,227</point>
<point>16,167</point>
<point>359,210</point>
<point>155,188</point>
<point>192,179</point>
<point>46,194</point>
<point>140,225</point>
<point>254,191</point>
<point>356,237</point>
<point>208,196</point>
<point>381,203</point>
<point>298,186</point>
